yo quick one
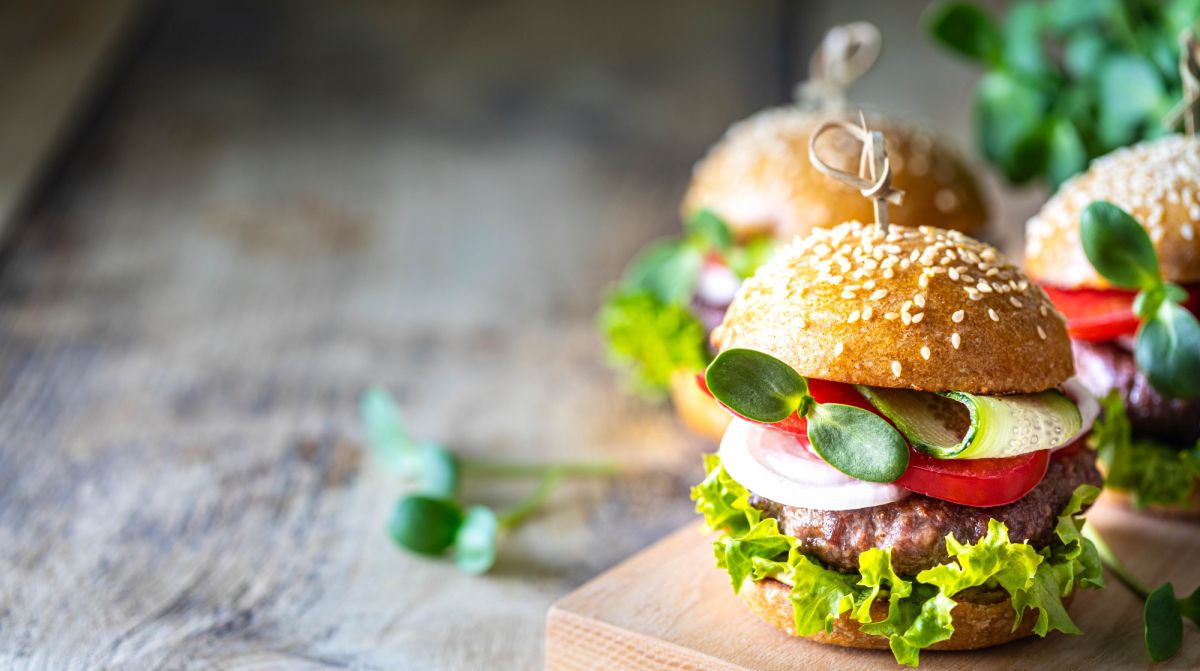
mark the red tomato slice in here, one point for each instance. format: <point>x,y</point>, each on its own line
<point>1097,315</point>
<point>975,482</point>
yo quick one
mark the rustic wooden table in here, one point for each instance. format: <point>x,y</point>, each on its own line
<point>281,205</point>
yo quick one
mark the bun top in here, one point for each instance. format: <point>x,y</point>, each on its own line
<point>759,179</point>
<point>1158,182</point>
<point>920,308</point>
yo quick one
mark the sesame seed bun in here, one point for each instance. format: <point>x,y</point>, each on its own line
<point>759,179</point>
<point>920,308</point>
<point>1158,182</point>
<point>980,621</point>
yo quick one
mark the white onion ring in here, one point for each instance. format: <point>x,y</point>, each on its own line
<point>775,466</point>
<point>1089,407</point>
<point>717,284</point>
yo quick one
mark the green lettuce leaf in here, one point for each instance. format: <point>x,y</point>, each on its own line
<point>1152,473</point>
<point>920,610</point>
<point>651,339</point>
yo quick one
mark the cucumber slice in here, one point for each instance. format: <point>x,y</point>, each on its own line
<point>958,425</point>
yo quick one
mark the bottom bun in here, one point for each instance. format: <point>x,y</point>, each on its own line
<point>1189,510</point>
<point>979,623</point>
<point>700,413</point>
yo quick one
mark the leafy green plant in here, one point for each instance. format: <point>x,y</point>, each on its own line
<point>1152,473</point>
<point>647,321</point>
<point>761,388</point>
<point>432,520</point>
<point>1163,612</point>
<point>1168,341</point>
<point>1066,80</point>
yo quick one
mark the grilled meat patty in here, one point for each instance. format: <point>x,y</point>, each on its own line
<point>1109,365</point>
<point>916,527</point>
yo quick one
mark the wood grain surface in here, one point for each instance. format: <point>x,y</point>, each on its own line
<point>52,52</point>
<point>669,608</point>
<point>286,203</point>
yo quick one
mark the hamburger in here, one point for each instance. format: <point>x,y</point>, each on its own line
<point>754,188</point>
<point>1149,438</point>
<point>905,466</point>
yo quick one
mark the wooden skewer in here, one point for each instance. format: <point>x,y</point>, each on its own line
<point>874,178</point>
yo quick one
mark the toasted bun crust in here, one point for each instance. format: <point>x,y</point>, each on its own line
<point>759,179</point>
<point>923,308</point>
<point>699,412</point>
<point>1158,182</point>
<point>976,624</point>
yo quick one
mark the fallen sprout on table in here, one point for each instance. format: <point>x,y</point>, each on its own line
<point>434,519</point>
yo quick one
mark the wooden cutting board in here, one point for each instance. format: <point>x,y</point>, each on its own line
<point>670,608</point>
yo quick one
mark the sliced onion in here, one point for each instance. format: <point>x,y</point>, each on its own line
<point>717,284</point>
<point>776,466</point>
<point>1089,407</point>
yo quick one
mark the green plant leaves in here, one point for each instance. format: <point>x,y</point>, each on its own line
<point>757,386</point>
<point>650,339</point>
<point>475,542</point>
<point>667,270</point>
<point>857,442</point>
<point>1066,154</point>
<point>1009,116</point>
<point>1163,623</point>
<point>710,231</point>
<point>1132,95</point>
<point>425,525</point>
<point>965,29</point>
<point>1117,246</point>
<point>1151,473</point>
<point>1168,351</point>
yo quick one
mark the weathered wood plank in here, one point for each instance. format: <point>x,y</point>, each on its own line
<point>51,52</point>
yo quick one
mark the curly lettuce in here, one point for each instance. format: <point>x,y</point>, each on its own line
<point>920,608</point>
<point>1152,473</point>
<point>646,320</point>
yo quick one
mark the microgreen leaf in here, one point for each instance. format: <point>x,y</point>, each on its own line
<point>710,231</point>
<point>475,542</point>
<point>425,525</point>
<point>1168,351</point>
<point>1163,623</point>
<point>386,433</point>
<point>1189,606</point>
<point>966,29</point>
<point>857,442</point>
<point>756,386</point>
<point>1117,247</point>
<point>438,471</point>
<point>669,270</point>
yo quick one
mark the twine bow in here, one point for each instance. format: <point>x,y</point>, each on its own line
<point>874,178</point>
<point>846,53</point>
<point>1189,74</point>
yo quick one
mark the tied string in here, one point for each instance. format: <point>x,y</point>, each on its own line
<point>846,53</point>
<point>874,178</point>
<point>1189,75</point>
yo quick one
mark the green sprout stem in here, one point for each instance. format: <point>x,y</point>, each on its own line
<point>501,469</point>
<point>1115,565</point>
<point>515,516</point>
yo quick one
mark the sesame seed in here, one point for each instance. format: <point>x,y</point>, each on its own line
<point>878,294</point>
<point>867,312</point>
<point>837,349</point>
<point>896,368</point>
<point>916,319</point>
<point>955,340</point>
<point>925,353</point>
<point>1015,301</point>
<point>1041,333</point>
<point>957,317</point>
<point>890,316</point>
<point>906,318</point>
<point>919,299</point>
<point>992,313</point>
<point>853,317</point>
<point>953,274</point>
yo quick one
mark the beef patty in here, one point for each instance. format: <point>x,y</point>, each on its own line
<point>1108,365</point>
<point>916,527</point>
